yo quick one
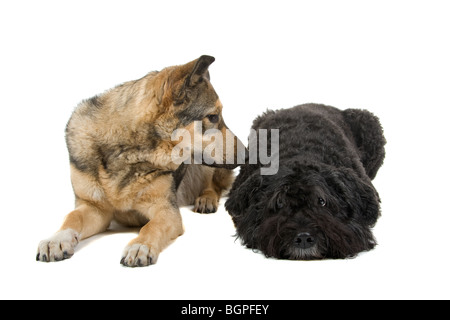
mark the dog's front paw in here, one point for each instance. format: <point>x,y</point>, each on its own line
<point>59,247</point>
<point>206,204</point>
<point>138,255</point>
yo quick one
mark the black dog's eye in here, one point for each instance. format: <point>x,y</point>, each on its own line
<point>213,118</point>
<point>280,203</point>
<point>322,202</point>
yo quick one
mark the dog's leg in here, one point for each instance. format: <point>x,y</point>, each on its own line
<point>85,221</point>
<point>216,183</point>
<point>159,205</point>
<point>164,227</point>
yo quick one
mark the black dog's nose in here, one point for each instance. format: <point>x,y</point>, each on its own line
<point>305,240</point>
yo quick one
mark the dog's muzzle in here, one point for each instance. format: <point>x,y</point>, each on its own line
<point>305,240</point>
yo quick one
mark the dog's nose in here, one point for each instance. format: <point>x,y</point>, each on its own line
<point>247,155</point>
<point>305,240</point>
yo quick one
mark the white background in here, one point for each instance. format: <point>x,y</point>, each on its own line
<point>391,57</point>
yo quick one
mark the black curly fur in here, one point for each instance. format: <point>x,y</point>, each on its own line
<point>328,158</point>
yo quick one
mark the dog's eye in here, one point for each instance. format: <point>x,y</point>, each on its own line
<point>280,203</point>
<point>213,118</point>
<point>322,202</point>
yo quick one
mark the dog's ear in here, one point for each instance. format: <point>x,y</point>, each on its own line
<point>192,74</point>
<point>357,194</point>
<point>242,193</point>
<point>199,71</point>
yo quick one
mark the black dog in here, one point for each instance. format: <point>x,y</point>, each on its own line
<point>321,203</point>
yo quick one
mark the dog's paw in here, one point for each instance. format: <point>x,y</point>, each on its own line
<point>138,255</point>
<point>59,247</point>
<point>206,204</point>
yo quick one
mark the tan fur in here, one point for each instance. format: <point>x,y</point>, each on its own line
<point>121,167</point>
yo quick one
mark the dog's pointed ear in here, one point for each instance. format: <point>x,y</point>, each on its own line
<point>356,193</point>
<point>189,76</point>
<point>199,71</point>
<point>242,193</point>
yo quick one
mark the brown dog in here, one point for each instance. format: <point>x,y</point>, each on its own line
<point>121,158</point>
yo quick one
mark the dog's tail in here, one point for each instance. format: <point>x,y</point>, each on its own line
<point>368,135</point>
